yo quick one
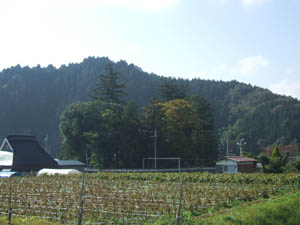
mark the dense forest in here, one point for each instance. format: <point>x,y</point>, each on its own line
<point>109,132</point>
<point>32,101</point>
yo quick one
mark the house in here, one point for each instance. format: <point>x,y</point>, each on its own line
<point>235,164</point>
<point>23,153</point>
<point>71,164</point>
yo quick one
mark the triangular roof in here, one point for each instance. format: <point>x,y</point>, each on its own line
<point>28,155</point>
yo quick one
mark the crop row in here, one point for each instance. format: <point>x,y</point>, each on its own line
<point>125,200</point>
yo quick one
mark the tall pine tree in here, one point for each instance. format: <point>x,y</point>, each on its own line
<point>108,89</point>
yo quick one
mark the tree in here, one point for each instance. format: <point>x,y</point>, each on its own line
<point>180,117</point>
<point>108,89</point>
<point>204,138</point>
<point>76,120</point>
<point>172,89</point>
<point>264,160</point>
<point>131,147</point>
<point>92,128</point>
<point>276,153</point>
<point>151,119</point>
<point>275,164</point>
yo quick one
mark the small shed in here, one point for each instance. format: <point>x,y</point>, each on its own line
<point>70,164</point>
<point>235,164</point>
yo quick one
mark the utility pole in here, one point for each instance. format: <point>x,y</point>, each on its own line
<point>155,143</point>
<point>46,144</point>
<point>86,158</point>
<point>240,144</point>
<point>297,150</point>
<point>227,147</point>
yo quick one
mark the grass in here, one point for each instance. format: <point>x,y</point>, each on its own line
<point>282,210</point>
<point>26,221</point>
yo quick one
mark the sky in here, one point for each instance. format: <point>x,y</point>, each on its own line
<point>252,41</point>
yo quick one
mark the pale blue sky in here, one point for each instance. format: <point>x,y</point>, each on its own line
<point>253,41</point>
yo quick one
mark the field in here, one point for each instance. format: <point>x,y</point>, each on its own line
<point>129,198</point>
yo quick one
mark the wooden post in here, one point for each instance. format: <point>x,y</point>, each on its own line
<point>9,202</point>
<point>80,212</point>
<point>179,204</point>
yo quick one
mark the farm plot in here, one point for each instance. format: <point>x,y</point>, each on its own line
<point>133,198</point>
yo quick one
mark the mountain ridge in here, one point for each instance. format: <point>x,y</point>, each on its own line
<point>32,100</point>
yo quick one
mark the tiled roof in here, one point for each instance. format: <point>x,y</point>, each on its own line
<point>240,159</point>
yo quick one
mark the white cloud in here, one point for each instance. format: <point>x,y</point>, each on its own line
<point>250,65</point>
<point>286,87</point>
<point>245,70</point>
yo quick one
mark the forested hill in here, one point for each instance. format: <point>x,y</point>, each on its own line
<point>32,99</point>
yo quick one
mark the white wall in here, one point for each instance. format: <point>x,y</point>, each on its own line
<point>227,166</point>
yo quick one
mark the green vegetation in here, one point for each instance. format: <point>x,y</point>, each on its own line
<point>138,198</point>
<point>284,210</point>
<point>27,221</point>
<point>273,164</point>
<point>116,135</point>
<point>32,100</point>
<point>107,88</point>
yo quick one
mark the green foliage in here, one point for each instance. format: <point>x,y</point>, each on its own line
<point>121,196</point>
<point>28,221</point>
<point>276,153</point>
<point>171,90</point>
<point>274,164</point>
<point>91,126</point>
<point>108,89</point>
<point>185,219</point>
<point>280,211</point>
<point>180,117</point>
<point>119,136</point>
<point>32,100</point>
<point>248,154</point>
<point>293,166</point>
<point>263,159</point>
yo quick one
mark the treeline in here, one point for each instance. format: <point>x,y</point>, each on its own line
<point>108,132</point>
<point>32,100</point>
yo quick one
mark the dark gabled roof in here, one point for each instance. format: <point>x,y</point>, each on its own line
<point>28,154</point>
<point>70,163</point>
